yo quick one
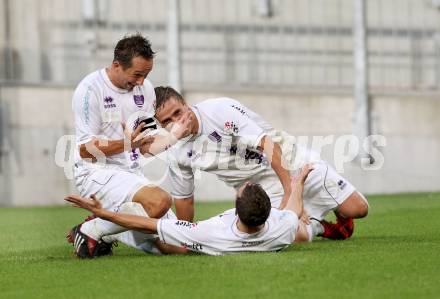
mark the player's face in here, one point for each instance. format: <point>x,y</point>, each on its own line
<point>171,112</point>
<point>135,75</point>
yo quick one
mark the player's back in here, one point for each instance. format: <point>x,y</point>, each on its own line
<point>219,235</point>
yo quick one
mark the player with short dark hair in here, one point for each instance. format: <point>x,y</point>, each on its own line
<point>253,226</point>
<point>252,205</point>
<point>237,145</point>
<point>130,47</point>
<point>113,107</point>
<point>163,93</point>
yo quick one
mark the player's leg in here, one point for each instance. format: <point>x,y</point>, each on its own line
<point>113,188</point>
<point>138,240</point>
<point>325,190</point>
<point>135,239</point>
<point>154,206</point>
<point>155,201</point>
<point>355,206</point>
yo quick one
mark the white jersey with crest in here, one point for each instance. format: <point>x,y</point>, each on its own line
<point>99,109</point>
<point>226,145</point>
<point>219,235</point>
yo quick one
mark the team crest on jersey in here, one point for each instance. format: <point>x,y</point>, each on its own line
<point>230,127</point>
<point>214,136</point>
<point>108,103</point>
<point>139,100</point>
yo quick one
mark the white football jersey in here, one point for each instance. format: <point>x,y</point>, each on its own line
<point>219,235</point>
<point>226,145</point>
<point>100,107</point>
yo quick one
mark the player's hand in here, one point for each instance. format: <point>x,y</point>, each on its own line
<point>305,218</point>
<point>303,174</point>
<point>92,204</point>
<point>297,183</point>
<point>182,127</point>
<point>135,139</point>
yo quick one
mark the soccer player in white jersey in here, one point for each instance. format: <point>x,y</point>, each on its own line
<point>252,226</point>
<point>112,106</point>
<point>236,144</point>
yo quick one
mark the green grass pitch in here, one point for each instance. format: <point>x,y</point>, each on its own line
<point>394,253</point>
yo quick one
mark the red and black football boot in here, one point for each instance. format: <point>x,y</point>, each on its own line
<point>334,231</point>
<point>85,247</point>
<point>347,225</point>
<point>100,249</point>
<point>69,235</point>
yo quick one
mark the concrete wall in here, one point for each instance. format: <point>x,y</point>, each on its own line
<point>304,44</point>
<point>34,118</point>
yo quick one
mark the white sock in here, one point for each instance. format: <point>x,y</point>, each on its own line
<point>316,228</point>
<point>135,239</point>
<point>97,228</point>
<point>310,234</point>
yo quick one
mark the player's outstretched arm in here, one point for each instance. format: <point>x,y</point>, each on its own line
<point>295,202</point>
<point>273,152</point>
<point>133,222</point>
<point>162,142</point>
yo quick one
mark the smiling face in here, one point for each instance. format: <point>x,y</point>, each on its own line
<point>134,75</point>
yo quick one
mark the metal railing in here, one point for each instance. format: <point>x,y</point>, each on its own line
<point>246,44</point>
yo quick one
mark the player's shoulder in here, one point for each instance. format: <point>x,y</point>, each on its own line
<point>227,213</point>
<point>220,109</point>
<point>226,218</point>
<point>282,215</point>
<point>92,79</point>
<point>89,84</point>
<point>217,103</point>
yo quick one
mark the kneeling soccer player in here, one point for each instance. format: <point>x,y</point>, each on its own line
<point>237,145</point>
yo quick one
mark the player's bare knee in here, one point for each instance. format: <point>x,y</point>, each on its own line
<point>355,206</point>
<point>362,210</point>
<point>161,204</point>
<point>362,205</point>
<point>155,201</point>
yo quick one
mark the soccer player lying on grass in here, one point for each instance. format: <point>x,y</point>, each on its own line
<point>237,145</point>
<point>252,226</point>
